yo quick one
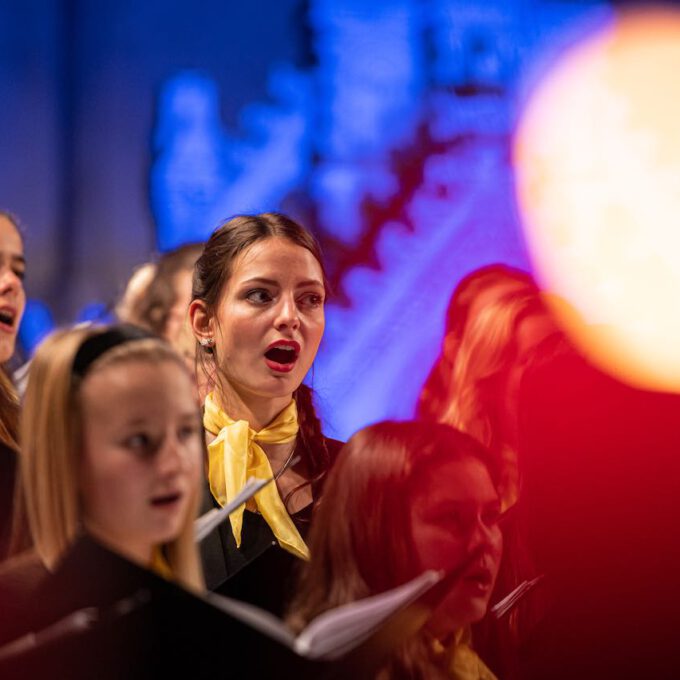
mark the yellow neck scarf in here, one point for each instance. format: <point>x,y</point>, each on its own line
<point>235,455</point>
<point>160,565</point>
<point>460,660</point>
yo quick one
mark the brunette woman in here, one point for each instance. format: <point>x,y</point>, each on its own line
<point>403,498</point>
<point>258,314</point>
<point>12,304</point>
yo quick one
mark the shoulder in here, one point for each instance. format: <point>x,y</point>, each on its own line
<point>20,579</point>
<point>22,573</point>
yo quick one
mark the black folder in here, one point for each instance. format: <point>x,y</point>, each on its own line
<point>100,616</point>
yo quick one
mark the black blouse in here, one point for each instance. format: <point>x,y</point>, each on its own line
<point>260,571</point>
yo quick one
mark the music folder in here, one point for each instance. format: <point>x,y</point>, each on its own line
<point>100,616</point>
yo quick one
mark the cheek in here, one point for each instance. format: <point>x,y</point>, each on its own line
<point>21,300</point>
<point>111,483</point>
<point>195,465</point>
<point>238,334</point>
<point>314,334</point>
<point>496,543</point>
<point>438,548</point>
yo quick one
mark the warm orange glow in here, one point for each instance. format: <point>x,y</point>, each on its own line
<point>597,156</point>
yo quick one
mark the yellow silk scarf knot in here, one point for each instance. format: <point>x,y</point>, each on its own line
<point>235,455</point>
<point>460,660</point>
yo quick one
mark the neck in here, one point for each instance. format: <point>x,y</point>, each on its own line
<point>256,410</point>
<point>140,553</point>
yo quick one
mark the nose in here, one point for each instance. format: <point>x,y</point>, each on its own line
<point>287,316</point>
<point>485,534</point>
<point>10,283</point>
<point>171,459</point>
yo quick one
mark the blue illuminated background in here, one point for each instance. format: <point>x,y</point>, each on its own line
<point>383,125</point>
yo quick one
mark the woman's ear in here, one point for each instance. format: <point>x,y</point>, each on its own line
<point>202,323</point>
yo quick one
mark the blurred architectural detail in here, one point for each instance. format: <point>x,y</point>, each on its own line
<point>203,174</point>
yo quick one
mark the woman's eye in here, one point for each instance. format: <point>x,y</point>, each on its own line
<point>139,443</point>
<point>312,300</point>
<point>187,432</point>
<point>445,517</point>
<point>259,296</point>
<point>20,274</point>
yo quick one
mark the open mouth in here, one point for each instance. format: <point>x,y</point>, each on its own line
<point>166,501</point>
<point>480,578</point>
<point>282,355</point>
<point>7,317</point>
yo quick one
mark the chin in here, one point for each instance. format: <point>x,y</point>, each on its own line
<point>456,615</point>
<point>168,532</point>
<point>6,351</point>
<point>280,386</point>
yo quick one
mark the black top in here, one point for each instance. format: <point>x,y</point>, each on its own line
<point>140,625</point>
<point>8,473</point>
<point>260,571</point>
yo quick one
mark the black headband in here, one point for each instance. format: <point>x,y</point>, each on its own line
<point>99,344</point>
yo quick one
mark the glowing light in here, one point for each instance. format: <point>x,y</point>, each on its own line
<point>597,156</point>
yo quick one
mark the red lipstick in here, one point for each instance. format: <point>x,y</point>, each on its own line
<point>281,355</point>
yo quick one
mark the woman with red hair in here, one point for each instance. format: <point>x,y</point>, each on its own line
<point>403,498</point>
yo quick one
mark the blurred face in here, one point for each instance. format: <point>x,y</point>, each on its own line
<point>455,511</point>
<point>531,331</point>
<point>270,319</point>
<point>12,295</point>
<point>141,458</point>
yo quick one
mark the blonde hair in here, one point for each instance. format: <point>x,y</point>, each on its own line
<point>50,434</point>
<point>478,352</point>
<point>484,352</point>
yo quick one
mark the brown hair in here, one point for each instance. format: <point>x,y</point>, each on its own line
<point>155,307</point>
<point>9,408</point>
<point>9,436</point>
<point>371,549</point>
<point>50,438</point>
<point>212,271</point>
<point>9,402</point>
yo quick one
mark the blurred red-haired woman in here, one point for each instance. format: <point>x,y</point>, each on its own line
<point>402,498</point>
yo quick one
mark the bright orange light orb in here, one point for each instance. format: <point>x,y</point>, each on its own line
<point>597,159</point>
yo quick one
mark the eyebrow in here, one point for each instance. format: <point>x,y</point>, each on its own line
<point>14,257</point>
<point>136,421</point>
<point>272,282</point>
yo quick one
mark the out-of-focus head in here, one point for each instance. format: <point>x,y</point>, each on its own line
<point>413,496</point>
<point>258,305</point>
<point>129,308</point>
<point>12,294</point>
<point>495,319</point>
<point>112,441</point>
<point>165,306</point>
